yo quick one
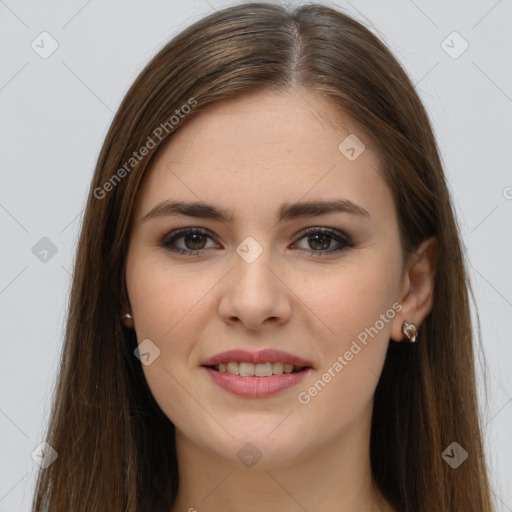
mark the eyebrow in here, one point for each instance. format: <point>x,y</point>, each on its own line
<point>287,211</point>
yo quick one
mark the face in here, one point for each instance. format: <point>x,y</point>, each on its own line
<point>321,287</point>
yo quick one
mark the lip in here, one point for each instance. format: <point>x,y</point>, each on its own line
<point>256,387</point>
<point>262,356</point>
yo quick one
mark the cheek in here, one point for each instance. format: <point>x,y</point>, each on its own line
<point>168,310</point>
<point>354,311</point>
<point>351,300</point>
<point>165,297</point>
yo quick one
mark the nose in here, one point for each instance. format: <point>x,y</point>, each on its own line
<point>254,293</point>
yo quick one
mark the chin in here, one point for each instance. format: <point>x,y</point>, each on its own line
<point>256,448</point>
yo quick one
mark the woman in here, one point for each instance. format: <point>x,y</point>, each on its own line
<point>270,305</point>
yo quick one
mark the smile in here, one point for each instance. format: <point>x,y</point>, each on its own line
<point>252,386</point>
<point>244,369</point>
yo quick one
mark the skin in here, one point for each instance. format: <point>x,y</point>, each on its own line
<point>249,155</point>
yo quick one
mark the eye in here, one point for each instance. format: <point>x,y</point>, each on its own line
<point>318,239</point>
<point>193,238</point>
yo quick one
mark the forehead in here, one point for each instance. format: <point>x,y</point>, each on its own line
<point>264,124</point>
<point>261,146</point>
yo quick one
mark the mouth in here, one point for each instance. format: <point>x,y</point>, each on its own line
<point>246,369</point>
<point>256,374</point>
<point>256,380</point>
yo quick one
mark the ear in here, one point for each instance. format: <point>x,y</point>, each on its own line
<point>417,288</point>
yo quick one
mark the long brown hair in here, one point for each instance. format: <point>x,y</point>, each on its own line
<point>116,450</point>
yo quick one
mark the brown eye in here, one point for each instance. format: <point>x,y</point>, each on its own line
<point>320,240</point>
<point>194,241</point>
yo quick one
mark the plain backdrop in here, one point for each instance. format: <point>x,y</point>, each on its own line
<point>55,111</point>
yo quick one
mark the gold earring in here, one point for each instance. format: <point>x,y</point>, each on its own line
<point>410,330</point>
<point>127,320</point>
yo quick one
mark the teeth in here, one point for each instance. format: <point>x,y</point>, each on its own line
<point>263,370</point>
<point>277,368</point>
<point>232,368</point>
<point>246,369</point>
<point>256,370</point>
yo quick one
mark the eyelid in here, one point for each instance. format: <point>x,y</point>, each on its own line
<point>338,235</point>
<point>176,234</point>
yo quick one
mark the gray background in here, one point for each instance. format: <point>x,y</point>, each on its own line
<point>55,112</point>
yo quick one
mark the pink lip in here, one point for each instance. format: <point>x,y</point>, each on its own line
<point>262,356</point>
<point>256,387</point>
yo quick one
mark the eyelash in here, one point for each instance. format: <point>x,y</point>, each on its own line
<point>338,236</point>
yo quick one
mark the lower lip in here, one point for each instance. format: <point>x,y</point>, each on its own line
<point>256,387</point>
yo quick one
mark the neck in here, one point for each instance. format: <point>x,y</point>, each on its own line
<point>337,478</point>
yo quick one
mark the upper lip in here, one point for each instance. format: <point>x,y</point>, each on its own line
<point>262,356</point>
